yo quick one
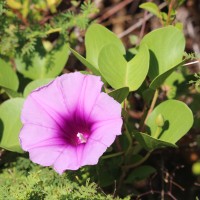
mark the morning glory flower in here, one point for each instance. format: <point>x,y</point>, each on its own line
<point>69,123</point>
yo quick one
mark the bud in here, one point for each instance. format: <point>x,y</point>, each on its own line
<point>160,120</point>
<point>196,168</point>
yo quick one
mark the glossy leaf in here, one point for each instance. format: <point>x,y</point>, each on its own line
<point>165,54</point>
<point>119,94</point>
<point>120,73</point>
<point>47,66</point>
<point>96,38</point>
<point>8,77</point>
<point>35,84</point>
<point>10,124</point>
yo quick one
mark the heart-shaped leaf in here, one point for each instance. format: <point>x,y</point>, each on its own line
<point>120,73</point>
<point>35,84</point>
<point>166,46</point>
<point>96,38</point>
<point>119,94</point>
<point>39,66</point>
<point>8,77</point>
<point>10,124</point>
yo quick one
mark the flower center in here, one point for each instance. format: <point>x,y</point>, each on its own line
<point>81,138</point>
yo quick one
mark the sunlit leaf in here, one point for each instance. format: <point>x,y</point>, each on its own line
<point>8,77</point>
<point>166,46</point>
<point>39,66</point>
<point>120,73</point>
<point>10,124</point>
<point>96,38</point>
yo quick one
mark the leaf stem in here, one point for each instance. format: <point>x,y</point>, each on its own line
<point>157,133</point>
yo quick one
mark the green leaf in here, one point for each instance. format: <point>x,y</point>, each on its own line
<point>11,93</point>
<point>85,62</point>
<point>119,94</point>
<point>150,143</point>
<point>8,77</point>
<point>120,73</point>
<point>165,54</point>
<point>96,38</point>
<point>178,120</point>
<point>35,84</point>
<point>152,8</point>
<point>140,173</point>
<point>10,124</point>
<point>40,66</point>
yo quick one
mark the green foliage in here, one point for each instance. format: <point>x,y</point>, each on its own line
<point>23,23</point>
<point>40,65</point>
<point>25,181</point>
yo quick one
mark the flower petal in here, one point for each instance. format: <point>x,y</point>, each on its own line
<point>105,108</point>
<point>106,131</point>
<point>82,96</point>
<point>67,160</point>
<point>44,106</point>
<point>92,151</point>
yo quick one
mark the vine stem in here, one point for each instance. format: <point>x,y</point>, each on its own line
<point>112,155</point>
<point>153,103</point>
<point>171,4</point>
<point>139,162</point>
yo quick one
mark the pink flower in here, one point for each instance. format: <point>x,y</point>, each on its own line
<point>69,123</point>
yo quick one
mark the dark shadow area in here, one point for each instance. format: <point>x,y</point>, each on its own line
<point>153,65</point>
<point>165,127</point>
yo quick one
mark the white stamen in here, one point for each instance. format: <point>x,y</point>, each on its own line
<point>81,138</point>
